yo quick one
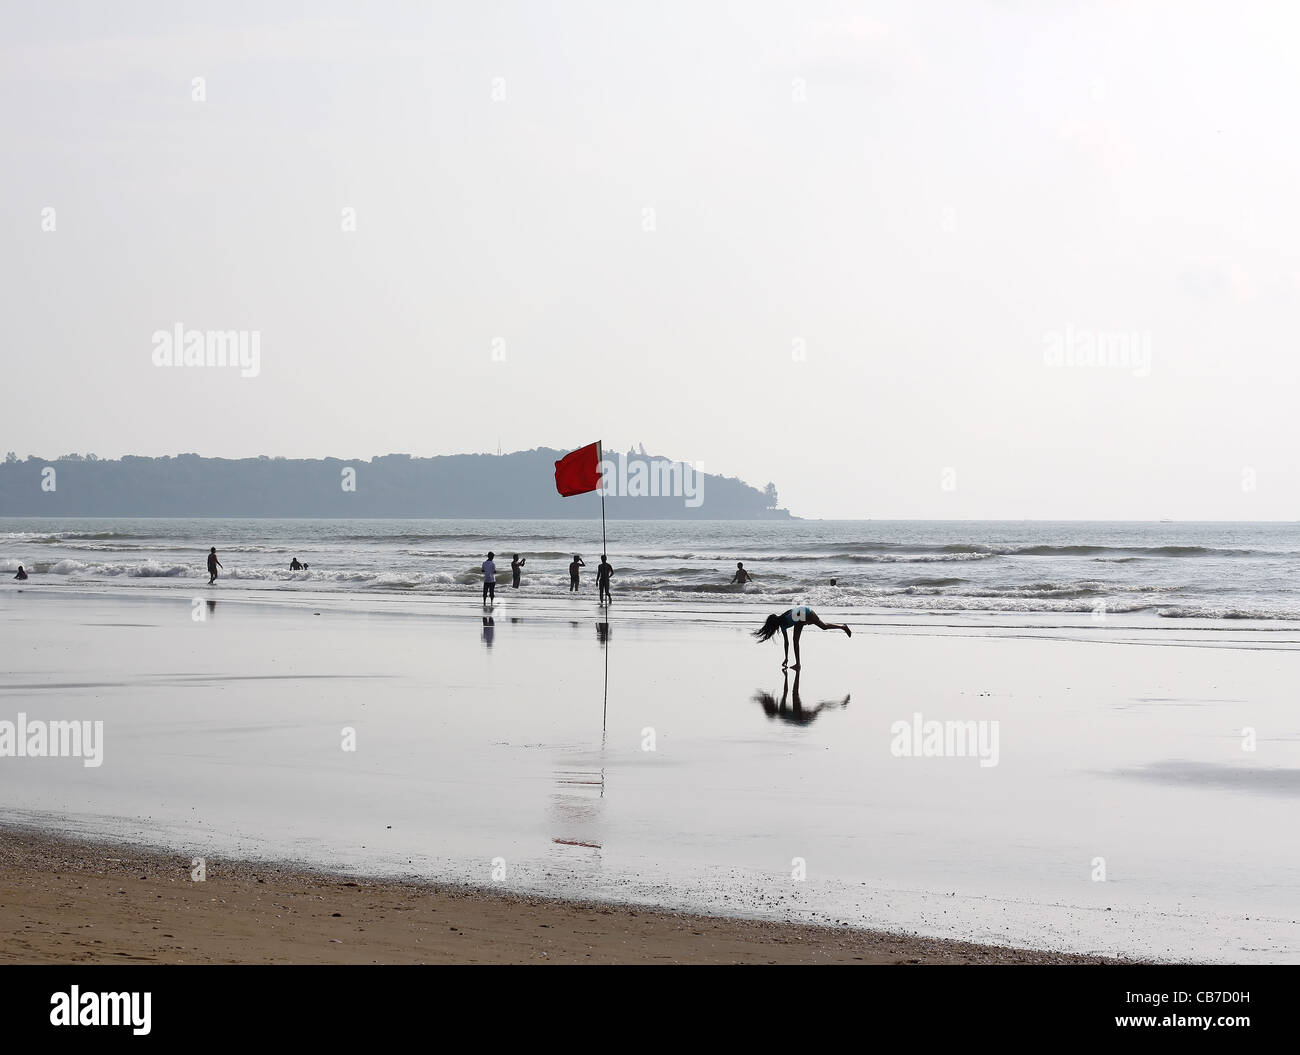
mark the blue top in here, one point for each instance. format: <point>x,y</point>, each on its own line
<point>795,616</point>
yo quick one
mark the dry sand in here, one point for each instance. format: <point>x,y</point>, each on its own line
<point>65,901</point>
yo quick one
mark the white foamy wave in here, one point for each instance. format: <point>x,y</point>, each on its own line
<point>1004,604</point>
<point>1192,611</point>
<point>150,569</point>
<point>913,558</point>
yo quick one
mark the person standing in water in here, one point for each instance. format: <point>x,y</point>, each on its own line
<point>295,564</point>
<point>577,563</point>
<point>741,577</point>
<point>489,578</point>
<point>213,565</point>
<point>794,619</point>
<point>516,566</point>
<point>603,573</point>
<point>21,574</point>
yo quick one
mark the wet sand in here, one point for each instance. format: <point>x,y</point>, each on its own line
<point>64,901</point>
<point>656,763</point>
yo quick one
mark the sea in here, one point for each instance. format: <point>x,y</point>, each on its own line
<point>1170,570</point>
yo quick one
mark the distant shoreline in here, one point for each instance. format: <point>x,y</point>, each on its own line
<point>476,486</point>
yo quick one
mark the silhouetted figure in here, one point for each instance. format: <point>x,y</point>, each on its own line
<point>22,575</point>
<point>741,577</point>
<point>602,633</point>
<point>489,578</point>
<point>305,567</point>
<point>603,574</point>
<point>489,631</point>
<point>794,619</point>
<point>574,565</point>
<point>213,565</point>
<point>797,715</point>
<point>295,565</point>
<point>516,566</point>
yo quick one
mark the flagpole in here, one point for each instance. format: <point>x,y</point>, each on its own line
<point>600,451</point>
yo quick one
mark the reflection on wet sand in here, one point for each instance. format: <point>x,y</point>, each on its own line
<point>791,708</point>
<point>578,803</point>
<point>577,806</point>
<point>489,631</point>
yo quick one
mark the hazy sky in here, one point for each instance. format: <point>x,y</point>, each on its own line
<point>882,236</point>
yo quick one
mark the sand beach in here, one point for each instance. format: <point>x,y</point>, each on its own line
<point>648,761</point>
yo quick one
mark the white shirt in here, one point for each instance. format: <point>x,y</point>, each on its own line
<point>489,571</point>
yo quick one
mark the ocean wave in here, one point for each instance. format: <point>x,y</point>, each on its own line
<point>526,554</point>
<point>65,536</point>
<point>145,570</point>
<point>455,536</point>
<point>868,550</point>
<point>915,558</point>
<point>1192,611</point>
<point>960,603</point>
<point>1156,551</point>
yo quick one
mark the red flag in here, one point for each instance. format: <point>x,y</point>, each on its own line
<point>579,472</point>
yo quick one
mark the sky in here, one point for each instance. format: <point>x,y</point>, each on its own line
<point>972,259</point>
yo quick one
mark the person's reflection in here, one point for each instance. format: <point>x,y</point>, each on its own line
<point>602,632</point>
<point>791,709</point>
<point>212,607</point>
<point>489,630</point>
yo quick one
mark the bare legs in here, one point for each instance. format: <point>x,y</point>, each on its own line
<point>810,618</point>
<point>815,620</point>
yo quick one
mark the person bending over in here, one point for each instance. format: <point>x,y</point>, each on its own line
<point>794,619</point>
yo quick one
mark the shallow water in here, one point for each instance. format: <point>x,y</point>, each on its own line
<point>519,749</point>
<point>1176,570</point>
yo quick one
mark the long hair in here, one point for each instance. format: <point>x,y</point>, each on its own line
<point>769,628</point>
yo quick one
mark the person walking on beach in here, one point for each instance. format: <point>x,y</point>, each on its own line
<point>577,563</point>
<point>489,578</point>
<point>741,577</point>
<point>213,565</point>
<point>794,619</point>
<point>516,566</point>
<point>603,573</point>
<point>21,574</point>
